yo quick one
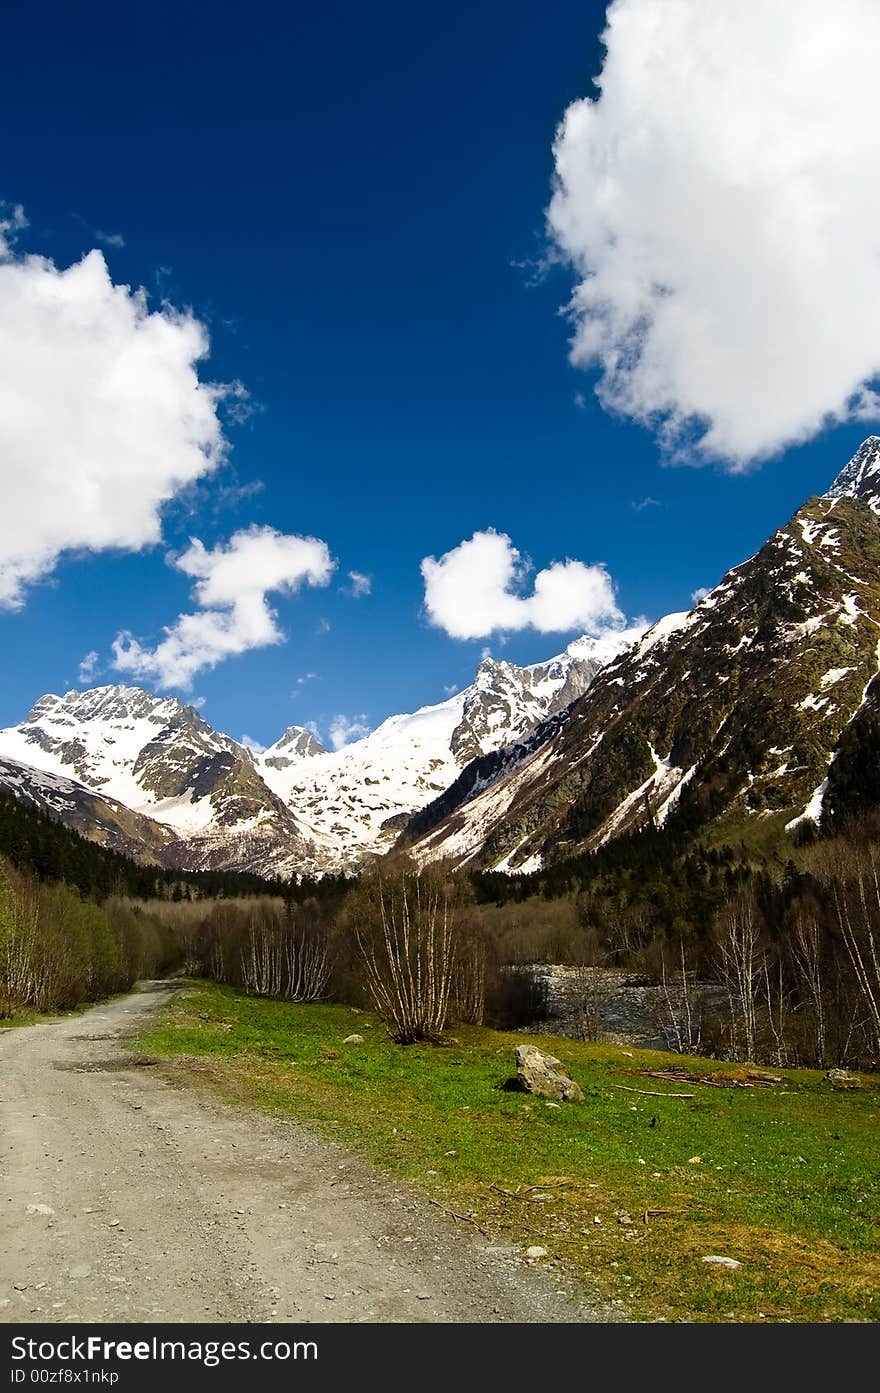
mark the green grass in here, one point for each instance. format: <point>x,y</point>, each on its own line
<point>26,1015</point>
<point>786,1181</point>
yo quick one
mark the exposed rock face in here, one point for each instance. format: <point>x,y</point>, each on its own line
<point>737,707</point>
<point>544,1075</point>
<point>296,744</point>
<point>357,800</point>
<point>193,797</point>
<point>93,815</point>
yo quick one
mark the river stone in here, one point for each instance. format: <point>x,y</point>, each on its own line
<point>545,1075</point>
<point>842,1078</point>
<point>353,1040</point>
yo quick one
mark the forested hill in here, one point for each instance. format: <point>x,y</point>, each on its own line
<point>36,842</point>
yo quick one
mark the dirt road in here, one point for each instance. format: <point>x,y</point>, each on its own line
<point>125,1197</point>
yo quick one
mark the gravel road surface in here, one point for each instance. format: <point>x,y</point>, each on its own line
<point>126,1197</point>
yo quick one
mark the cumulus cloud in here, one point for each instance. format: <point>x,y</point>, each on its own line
<point>233,582</point>
<point>475,590</point>
<point>88,668</point>
<point>253,745</point>
<point>345,729</point>
<point>700,594</point>
<point>719,202</point>
<point>103,417</point>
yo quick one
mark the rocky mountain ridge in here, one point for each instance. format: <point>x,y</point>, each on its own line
<point>735,708</point>
<point>149,775</point>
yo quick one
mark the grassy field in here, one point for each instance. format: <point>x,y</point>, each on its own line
<point>630,1191</point>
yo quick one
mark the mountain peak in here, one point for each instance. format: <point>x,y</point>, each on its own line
<point>860,478</point>
<point>295,744</point>
<point>113,702</point>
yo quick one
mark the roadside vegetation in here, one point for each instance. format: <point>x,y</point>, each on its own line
<point>629,1189</point>
<point>670,1159</point>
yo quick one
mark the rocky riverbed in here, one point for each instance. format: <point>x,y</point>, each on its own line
<point>597,1003</point>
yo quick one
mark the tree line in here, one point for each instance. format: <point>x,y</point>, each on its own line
<point>789,937</point>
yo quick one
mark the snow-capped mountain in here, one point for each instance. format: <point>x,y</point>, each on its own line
<point>762,700</point>
<point>861,477</point>
<point>355,801</point>
<point>163,762</point>
<point>295,744</point>
<point>198,798</point>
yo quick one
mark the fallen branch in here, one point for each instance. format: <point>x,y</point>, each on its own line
<point>461,1218</point>
<point>748,1078</point>
<point>652,1093</point>
<point>655,1213</point>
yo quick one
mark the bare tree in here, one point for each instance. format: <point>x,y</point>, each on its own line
<point>806,952</point>
<point>285,954</point>
<point>682,1002</point>
<point>406,932</point>
<point>469,985</point>
<point>858,913</point>
<point>739,961</point>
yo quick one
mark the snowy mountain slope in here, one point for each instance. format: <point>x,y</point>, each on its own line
<point>197,798</point>
<point>354,801</point>
<point>163,762</point>
<point>295,744</point>
<point>96,816</point>
<point>861,477</point>
<point>736,707</point>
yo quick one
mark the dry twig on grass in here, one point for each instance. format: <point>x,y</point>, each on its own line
<point>652,1093</point>
<point>461,1218</point>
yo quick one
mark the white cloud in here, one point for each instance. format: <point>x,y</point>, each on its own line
<point>451,688</point>
<point>300,683</point>
<point>475,590</point>
<point>253,745</point>
<point>234,616</point>
<point>88,668</point>
<point>719,202</point>
<point>12,221</point>
<point>639,505</point>
<point>700,594</point>
<point>360,585</point>
<point>344,729</point>
<point>110,239</point>
<point>103,418</point>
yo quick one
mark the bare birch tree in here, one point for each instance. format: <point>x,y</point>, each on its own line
<point>858,917</point>
<point>739,961</point>
<point>406,928</point>
<point>806,952</point>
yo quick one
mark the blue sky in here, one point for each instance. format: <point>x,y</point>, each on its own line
<point>352,200</point>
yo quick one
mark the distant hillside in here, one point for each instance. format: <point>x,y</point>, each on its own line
<point>34,841</point>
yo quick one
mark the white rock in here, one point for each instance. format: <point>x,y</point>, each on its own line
<point>535,1252</point>
<point>722,1261</point>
